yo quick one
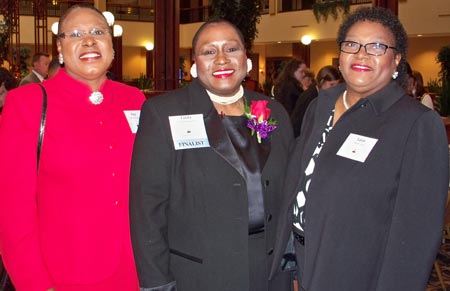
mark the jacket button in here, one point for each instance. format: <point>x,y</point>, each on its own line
<point>269,217</point>
<point>266,183</point>
<point>269,252</point>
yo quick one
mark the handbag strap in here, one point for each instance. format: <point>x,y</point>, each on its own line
<point>42,126</point>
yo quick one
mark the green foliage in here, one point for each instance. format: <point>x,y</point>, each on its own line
<point>4,43</point>
<point>144,83</point>
<point>245,14</point>
<point>443,58</point>
<point>24,55</point>
<point>434,86</point>
<point>324,8</point>
<point>4,34</point>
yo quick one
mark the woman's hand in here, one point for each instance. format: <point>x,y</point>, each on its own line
<point>51,289</point>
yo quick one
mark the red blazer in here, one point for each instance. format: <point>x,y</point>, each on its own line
<point>69,224</point>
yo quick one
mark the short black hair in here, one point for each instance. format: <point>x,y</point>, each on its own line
<point>215,21</point>
<point>38,55</point>
<point>387,19</point>
<point>75,7</point>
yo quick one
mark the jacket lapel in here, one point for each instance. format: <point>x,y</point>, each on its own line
<point>217,135</point>
<point>219,140</point>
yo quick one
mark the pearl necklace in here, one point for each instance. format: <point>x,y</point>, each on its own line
<point>96,98</point>
<point>344,100</point>
<point>226,100</point>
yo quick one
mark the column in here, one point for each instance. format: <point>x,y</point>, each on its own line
<point>167,21</point>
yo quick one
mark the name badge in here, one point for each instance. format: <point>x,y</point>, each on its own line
<point>357,147</point>
<point>188,131</point>
<point>133,119</point>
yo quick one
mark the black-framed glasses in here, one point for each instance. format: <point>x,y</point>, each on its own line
<point>373,48</point>
<point>80,34</point>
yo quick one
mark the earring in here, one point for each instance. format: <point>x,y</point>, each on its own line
<point>249,65</point>
<point>60,59</point>
<point>193,70</point>
<point>395,75</point>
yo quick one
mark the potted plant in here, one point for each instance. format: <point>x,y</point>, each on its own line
<point>234,10</point>
<point>443,97</point>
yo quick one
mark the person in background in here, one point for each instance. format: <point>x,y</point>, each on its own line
<point>367,182</point>
<point>418,91</point>
<point>64,222</point>
<point>327,77</point>
<point>308,80</point>
<point>7,83</point>
<point>39,71</point>
<point>53,67</point>
<point>205,186</point>
<point>288,84</point>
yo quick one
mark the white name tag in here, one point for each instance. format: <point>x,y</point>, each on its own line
<point>133,119</point>
<point>357,147</point>
<point>188,131</point>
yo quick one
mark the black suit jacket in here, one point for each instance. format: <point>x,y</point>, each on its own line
<point>373,225</point>
<point>188,208</point>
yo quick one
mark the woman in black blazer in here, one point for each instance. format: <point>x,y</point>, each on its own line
<point>205,192</point>
<point>366,186</point>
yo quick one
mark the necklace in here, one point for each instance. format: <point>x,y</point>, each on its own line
<point>226,100</point>
<point>96,98</point>
<point>344,100</point>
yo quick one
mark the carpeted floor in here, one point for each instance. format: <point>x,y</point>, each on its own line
<point>444,263</point>
<point>433,284</point>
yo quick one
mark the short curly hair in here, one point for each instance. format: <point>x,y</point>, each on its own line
<point>386,18</point>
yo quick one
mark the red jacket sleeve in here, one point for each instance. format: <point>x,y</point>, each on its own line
<point>19,239</point>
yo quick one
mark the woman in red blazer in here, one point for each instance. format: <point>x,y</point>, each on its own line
<point>66,227</point>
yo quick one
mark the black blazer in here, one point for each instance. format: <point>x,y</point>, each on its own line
<point>287,93</point>
<point>300,108</point>
<point>188,208</point>
<point>374,225</point>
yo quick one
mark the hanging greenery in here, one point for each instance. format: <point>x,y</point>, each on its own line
<point>245,14</point>
<point>324,8</point>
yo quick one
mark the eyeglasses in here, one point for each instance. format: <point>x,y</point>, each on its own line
<point>80,34</point>
<point>373,48</point>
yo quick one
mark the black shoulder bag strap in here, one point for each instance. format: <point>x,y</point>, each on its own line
<point>42,127</point>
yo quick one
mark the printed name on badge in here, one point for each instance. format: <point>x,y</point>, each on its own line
<point>133,119</point>
<point>357,147</point>
<point>188,131</point>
